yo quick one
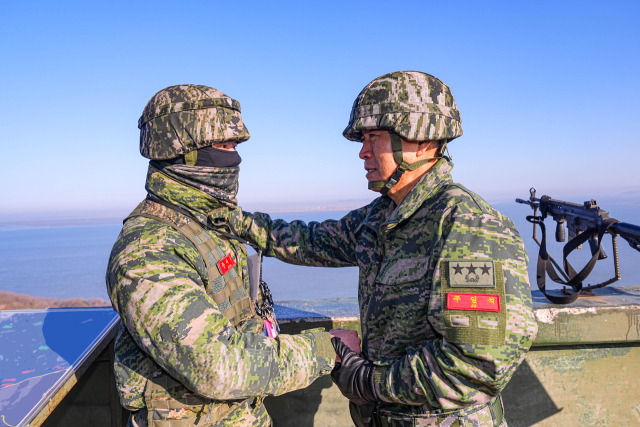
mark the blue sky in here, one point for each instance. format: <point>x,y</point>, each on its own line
<point>548,93</point>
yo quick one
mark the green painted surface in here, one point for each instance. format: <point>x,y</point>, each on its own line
<point>611,317</point>
<point>588,385</point>
<point>582,371</point>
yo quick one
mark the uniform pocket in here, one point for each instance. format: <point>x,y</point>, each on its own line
<point>403,270</point>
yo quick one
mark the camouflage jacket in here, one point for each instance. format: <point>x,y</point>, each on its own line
<point>442,241</point>
<point>158,283</point>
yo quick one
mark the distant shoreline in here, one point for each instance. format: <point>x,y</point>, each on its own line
<point>13,301</point>
<point>114,217</point>
<point>86,221</point>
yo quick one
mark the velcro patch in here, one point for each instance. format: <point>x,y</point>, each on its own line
<point>473,310</point>
<point>226,264</point>
<point>472,274</point>
<point>473,302</point>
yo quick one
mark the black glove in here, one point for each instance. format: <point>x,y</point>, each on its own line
<point>354,375</point>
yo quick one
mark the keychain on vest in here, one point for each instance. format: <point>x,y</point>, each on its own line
<point>271,329</point>
<point>265,310</point>
<point>256,284</point>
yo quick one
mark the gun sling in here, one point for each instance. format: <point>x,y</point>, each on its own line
<point>545,265</point>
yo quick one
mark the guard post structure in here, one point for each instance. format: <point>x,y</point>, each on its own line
<point>583,368</point>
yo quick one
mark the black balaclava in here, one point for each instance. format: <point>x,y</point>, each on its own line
<point>211,170</point>
<point>210,157</point>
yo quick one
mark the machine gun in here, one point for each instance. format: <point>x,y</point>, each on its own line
<point>586,222</point>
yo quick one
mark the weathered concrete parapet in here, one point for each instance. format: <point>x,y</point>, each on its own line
<point>611,317</point>
<point>583,369</point>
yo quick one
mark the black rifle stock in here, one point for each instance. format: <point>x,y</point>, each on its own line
<point>586,223</point>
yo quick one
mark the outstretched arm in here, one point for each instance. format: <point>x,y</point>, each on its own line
<point>319,244</point>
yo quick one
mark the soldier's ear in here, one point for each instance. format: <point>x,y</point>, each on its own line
<point>424,146</point>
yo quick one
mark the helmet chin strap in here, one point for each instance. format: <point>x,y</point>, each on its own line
<point>396,147</point>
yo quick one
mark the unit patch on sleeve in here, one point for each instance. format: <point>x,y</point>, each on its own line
<point>473,297</point>
<point>472,274</point>
<point>226,264</point>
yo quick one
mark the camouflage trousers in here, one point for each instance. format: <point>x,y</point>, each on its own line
<point>168,403</point>
<point>242,416</point>
<point>489,414</point>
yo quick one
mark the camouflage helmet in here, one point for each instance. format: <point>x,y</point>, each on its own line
<point>412,104</point>
<point>183,118</point>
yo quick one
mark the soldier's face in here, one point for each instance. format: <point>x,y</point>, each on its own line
<point>227,146</point>
<point>377,155</point>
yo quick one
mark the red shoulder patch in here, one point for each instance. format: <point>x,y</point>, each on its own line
<point>226,264</point>
<point>474,302</point>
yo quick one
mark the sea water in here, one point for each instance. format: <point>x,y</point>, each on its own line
<point>71,261</point>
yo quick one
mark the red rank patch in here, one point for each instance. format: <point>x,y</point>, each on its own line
<point>474,302</point>
<point>226,264</point>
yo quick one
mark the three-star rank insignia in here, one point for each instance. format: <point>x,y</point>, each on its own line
<point>472,274</point>
<point>475,302</point>
<point>226,264</point>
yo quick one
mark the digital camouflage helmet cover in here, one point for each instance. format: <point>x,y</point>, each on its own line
<point>409,104</point>
<point>183,118</point>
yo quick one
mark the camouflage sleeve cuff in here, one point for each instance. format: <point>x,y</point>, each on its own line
<point>380,383</point>
<point>324,348</point>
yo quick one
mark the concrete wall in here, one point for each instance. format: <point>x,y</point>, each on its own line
<point>93,400</point>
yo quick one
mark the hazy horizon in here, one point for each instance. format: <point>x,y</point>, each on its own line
<point>609,202</point>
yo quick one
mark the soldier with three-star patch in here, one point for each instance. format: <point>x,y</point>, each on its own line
<point>445,303</point>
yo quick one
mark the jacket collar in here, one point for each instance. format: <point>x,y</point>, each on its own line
<point>202,206</point>
<point>385,215</point>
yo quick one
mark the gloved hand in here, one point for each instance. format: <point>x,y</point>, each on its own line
<point>354,375</point>
<point>348,337</point>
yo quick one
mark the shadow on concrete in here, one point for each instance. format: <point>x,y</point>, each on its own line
<point>525,400</point>
<point>300,408</point>
<point>89,401</point>
<point>72,332</point>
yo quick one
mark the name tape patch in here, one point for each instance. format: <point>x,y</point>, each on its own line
<point>472,274</point>
<point>226,264</point>
<point>473,302</point>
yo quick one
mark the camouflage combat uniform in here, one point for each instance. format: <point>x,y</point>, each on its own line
<point>181,358</point>
<point>445,303</point>
<point>435,358</point>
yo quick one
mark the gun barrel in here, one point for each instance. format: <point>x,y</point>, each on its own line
<point>626,229</point>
